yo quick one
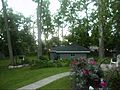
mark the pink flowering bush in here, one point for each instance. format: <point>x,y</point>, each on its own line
<point>103,84</point>
<point>87,73</point>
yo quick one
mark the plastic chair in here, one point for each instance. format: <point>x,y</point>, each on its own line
<point>115,61</point>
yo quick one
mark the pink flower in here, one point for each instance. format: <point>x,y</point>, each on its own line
<point>93,62</point>
<point>103,84</point>
<point>81,58</point>
<point>85,72</point>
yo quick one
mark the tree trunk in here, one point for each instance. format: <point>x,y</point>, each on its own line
<point>39,26</point>
<point>101,40</point>
<point>8,33</point>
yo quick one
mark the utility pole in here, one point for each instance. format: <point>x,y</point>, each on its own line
<point>39,26</point>
<point>8,33</point>
<point>101,38</point>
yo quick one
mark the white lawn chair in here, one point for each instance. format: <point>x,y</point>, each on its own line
<point>118,59</point>
<point>115,61</point>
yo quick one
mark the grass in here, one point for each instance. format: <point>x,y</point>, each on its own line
<point>61,84</point>
<point>12,79</point>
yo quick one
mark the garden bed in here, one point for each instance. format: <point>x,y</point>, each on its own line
<point>17,66</point>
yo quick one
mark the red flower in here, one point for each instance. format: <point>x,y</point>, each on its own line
<point>103,84</point>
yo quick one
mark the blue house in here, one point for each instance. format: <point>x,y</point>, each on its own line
<point>68,52</point>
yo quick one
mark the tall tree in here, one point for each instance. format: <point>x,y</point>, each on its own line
<point>47,26</point>
<point>8,33</point>
<point>100,17</point>
<point>69,12</point>
<point>39,25</point>
<point>58,22</point>
<point>21,38</point>
<point>115,12</point>
<point>44,22</point>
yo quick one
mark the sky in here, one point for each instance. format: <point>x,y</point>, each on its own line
<point>28,7</point>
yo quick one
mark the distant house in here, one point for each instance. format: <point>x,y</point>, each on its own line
<point>68,52</point>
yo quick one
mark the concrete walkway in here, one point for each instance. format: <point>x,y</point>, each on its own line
<point>44,82</point>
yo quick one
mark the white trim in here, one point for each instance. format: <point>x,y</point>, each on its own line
<point>70,51</point>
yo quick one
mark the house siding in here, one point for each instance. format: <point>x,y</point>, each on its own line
<point>54,56</point>
<point>65,56</point>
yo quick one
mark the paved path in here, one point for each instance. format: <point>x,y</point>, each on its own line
<point>44,82</point>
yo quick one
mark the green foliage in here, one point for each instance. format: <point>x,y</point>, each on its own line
<point>62,63</point>
<point>79,36</point>
<point>105,60</point>
<point>113,78</point>
<point>26,61</point>
<point>79,27</point>
<point>21,38</point>
<point>54,41</point>
<point>44,63</point>
<point>46,19</point>
<point>83,30</point>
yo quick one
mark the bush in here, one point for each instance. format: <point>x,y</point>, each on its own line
<point>44,63</point>
<point>43,58</point>
<point>104,60</point>
<point>25,61</point>
<point>86,73</point>
<point>62,63</point>
<point>113,77</point>
<point>18,60</point>
<point>39,64</point>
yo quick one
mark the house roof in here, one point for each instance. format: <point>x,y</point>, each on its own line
<point>70,49</point>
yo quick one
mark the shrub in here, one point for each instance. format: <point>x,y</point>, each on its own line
<point>43,58</point>
<point>113,78</point>
<point>39,64</point>
<point>20,61</point>
<point>86,73</point>
<point>62,63</point>
<point>43,63</point>
<point>104,60</point>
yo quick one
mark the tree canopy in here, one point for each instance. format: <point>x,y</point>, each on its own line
<point>83,22</point>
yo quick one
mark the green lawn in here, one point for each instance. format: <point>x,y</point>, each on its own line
<point>61,84</point>
<point>15,78</point>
